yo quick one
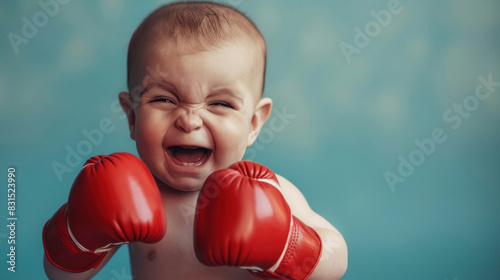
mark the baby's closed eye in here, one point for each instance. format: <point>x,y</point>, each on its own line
<point>162,100</point>
<point>222,104</point>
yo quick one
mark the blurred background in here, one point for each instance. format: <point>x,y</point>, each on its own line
<point>386,117</point>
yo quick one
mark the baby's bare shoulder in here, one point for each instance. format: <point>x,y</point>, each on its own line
<point>299,205</point>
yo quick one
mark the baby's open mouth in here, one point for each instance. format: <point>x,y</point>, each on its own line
<point>189,156</point>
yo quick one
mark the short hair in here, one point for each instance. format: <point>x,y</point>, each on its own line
<point>198,26</point>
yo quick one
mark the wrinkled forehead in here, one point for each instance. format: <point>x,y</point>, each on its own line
<point>150,58</point>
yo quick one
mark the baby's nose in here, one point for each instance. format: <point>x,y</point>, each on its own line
<point>189,121</point>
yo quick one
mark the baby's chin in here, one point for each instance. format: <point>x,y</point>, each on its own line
<point>181,185</point>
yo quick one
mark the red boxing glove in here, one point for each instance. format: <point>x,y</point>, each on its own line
<point>243,220</point>
<point>114,200</point>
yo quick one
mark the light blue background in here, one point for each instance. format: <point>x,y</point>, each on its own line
<point>351,123</point>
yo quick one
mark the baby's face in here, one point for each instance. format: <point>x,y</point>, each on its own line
<point>198,113</point>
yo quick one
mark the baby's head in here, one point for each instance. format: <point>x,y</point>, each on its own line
<point>195,75</point>
<point>189,28</point>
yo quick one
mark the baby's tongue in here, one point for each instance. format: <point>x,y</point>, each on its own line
<point>188,155</point>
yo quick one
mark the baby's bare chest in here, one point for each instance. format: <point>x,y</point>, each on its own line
<point>174,257</point>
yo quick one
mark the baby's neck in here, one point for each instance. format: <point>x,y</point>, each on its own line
<point>173,193</point>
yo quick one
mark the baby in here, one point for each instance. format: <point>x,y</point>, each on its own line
<point>190,208</point>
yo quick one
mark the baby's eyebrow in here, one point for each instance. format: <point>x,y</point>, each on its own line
<point>153,85</point>
<point>227,91</point>
<point>148,87</point>
<point>215,92</point>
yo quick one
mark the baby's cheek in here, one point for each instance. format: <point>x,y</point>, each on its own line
<point>144,137</point>
<point>236,146</point>
<point>149,143</point>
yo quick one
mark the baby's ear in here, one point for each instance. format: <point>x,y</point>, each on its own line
<point>128,107</point>
<point>260,116</point>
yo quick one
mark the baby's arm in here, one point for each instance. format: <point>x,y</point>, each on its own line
<point>333,261</point>
<point>257,229</point>
<point>114,200</point>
